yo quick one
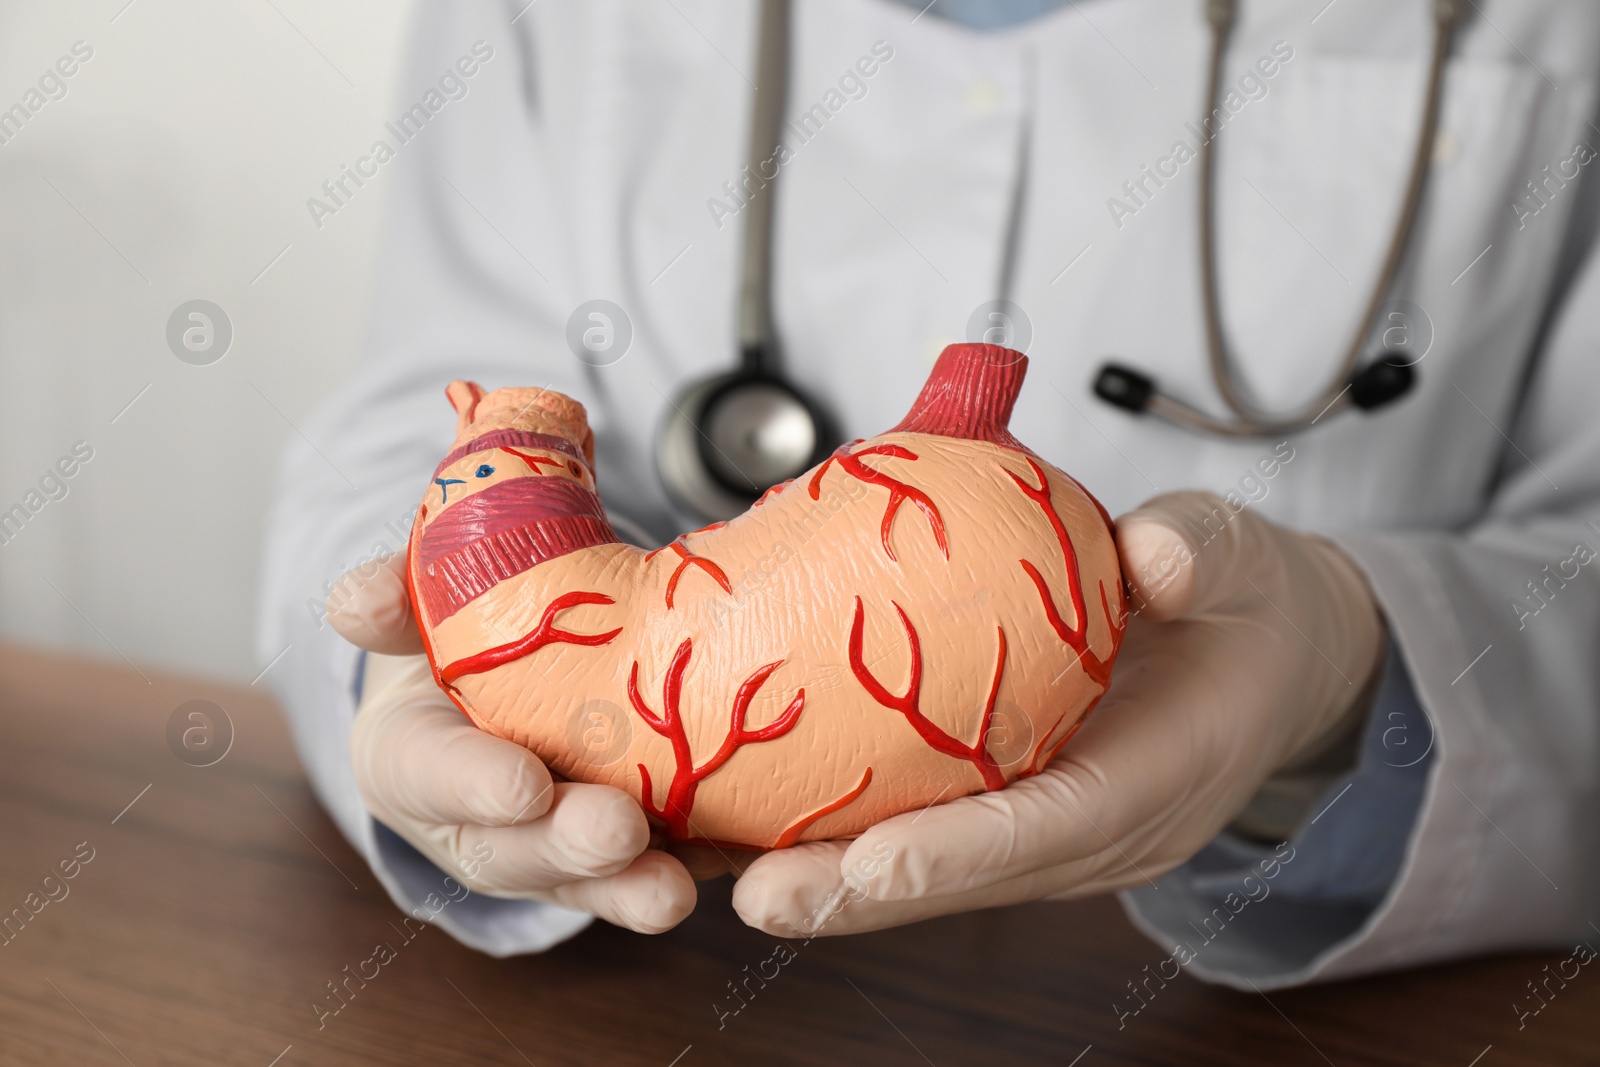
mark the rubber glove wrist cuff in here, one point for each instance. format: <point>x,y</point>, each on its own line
<point>1280,807</point>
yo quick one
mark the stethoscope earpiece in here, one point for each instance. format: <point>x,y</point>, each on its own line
<point>1382,382</point>
<point>1124,387</point>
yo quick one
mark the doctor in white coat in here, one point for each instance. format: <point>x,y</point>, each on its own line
<point>1357,722</point>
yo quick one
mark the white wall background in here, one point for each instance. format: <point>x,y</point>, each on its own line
<point>176,167</point>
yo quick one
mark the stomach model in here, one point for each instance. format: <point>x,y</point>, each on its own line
<point>926,614</point>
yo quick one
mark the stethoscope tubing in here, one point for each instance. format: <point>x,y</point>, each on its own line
<point>1249,419</point>
<point>693,482</point>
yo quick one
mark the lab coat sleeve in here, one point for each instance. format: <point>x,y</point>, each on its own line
<point>1499,628</point>
<point>457,296</point>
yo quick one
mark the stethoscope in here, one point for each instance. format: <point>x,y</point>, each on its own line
<point>728,437</point>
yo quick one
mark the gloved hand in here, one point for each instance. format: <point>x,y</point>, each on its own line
<point>486,810</point>
<point>1253,649</point>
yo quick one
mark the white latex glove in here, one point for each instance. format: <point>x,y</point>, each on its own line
<point>1249,655</point>
<point>486,810</point>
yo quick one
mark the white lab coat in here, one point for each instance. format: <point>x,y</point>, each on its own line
<point>582,164</point>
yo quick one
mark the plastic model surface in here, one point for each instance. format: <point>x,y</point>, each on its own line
<point>928,613</point>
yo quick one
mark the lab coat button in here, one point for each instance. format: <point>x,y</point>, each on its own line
<point>1446,148</point>
<point>983,97</point>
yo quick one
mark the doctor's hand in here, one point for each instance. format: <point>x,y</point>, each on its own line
<point>485,810</point>
<point>1250,652</point>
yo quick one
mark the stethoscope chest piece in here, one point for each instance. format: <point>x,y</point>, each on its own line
<point>730,437</point>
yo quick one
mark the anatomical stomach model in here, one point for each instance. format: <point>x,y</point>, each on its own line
<point>927,614</point>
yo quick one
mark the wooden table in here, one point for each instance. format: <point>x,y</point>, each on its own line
<point>219,904</point>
